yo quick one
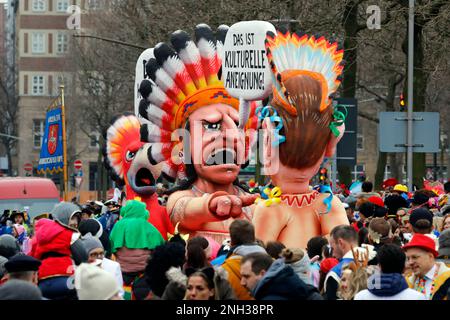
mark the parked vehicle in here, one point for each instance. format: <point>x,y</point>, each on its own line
<point>40,195</point>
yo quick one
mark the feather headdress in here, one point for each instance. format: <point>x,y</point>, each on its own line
<point>183,78</point>
<point>292,54</point>
<point>122,142</point>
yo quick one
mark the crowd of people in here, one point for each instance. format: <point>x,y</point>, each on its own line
<point>396,246</point>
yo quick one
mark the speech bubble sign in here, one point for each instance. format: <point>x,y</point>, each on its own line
<point>245,69</point>
<point>140,75</point>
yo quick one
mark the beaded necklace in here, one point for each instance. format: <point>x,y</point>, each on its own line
<point>420,284</point>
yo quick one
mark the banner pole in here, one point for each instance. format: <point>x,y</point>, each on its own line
<point>63,116</point>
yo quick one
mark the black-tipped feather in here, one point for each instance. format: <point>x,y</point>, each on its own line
<point>151,68</point>
<point>145,88</point>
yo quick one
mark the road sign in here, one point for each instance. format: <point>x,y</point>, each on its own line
<point>28,167</point>
<point>392,132</point>
<point>78,164</point>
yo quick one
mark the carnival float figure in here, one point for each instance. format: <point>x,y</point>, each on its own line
<point>301,129</point>
<point>196,131</point>
<point>126,157</point>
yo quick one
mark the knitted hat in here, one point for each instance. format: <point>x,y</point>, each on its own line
<point>90,243</point>
<point>8,246</point>
<point>420,214</point>
<point>94,283</point>
<point>292,255</point>
<point>423,242</point>
<point>19,290</point>
<point>299,261</point>
<point>444,243</point>
<point>64,211</point>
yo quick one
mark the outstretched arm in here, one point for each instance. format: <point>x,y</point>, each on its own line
<point>192,212</point>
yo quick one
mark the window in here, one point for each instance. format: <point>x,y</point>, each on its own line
<point>358,171</point>
<point>62,5</point>
<point>61,43</point>
<point>38,132</point>
<point>37,88</point>
<point>94,4</point>
<point>37,43</point>
<point>38,5</point>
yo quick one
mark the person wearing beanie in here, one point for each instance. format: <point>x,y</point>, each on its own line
<point>390,283</point>
<point>95,228</point>
<point>94,283</point>
<point>300,262</point>
<point>429,277</point>
<point>8,246</point>
<point>20,290</point>
<point>132,240</point>
<point>68,214</point>
<point>96,254</point>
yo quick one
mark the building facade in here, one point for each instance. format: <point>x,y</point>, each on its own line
<point>43,55</point>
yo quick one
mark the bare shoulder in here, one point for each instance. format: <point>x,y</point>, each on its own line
<point>273,212</point>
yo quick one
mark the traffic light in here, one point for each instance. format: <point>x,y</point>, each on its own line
<point>402,102</point>
<point>323,175</point>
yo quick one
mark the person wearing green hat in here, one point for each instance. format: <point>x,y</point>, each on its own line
<point>132,240</point>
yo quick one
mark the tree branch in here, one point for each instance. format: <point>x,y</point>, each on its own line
<point>361,86</point>
<point>368,117</point>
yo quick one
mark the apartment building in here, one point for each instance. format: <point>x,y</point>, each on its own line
<point>43,57</point>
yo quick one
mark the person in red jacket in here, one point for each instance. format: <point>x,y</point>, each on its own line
<point>59,249</point>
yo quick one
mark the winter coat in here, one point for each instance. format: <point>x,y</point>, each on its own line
<point>52,245</point>
<point>232,266</point>
<point>281,283</point>
<point>388,286</point>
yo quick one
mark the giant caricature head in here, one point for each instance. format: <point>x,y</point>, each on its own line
<point>301,101</point>
<point>192,120</point>
<point>126,155</point>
